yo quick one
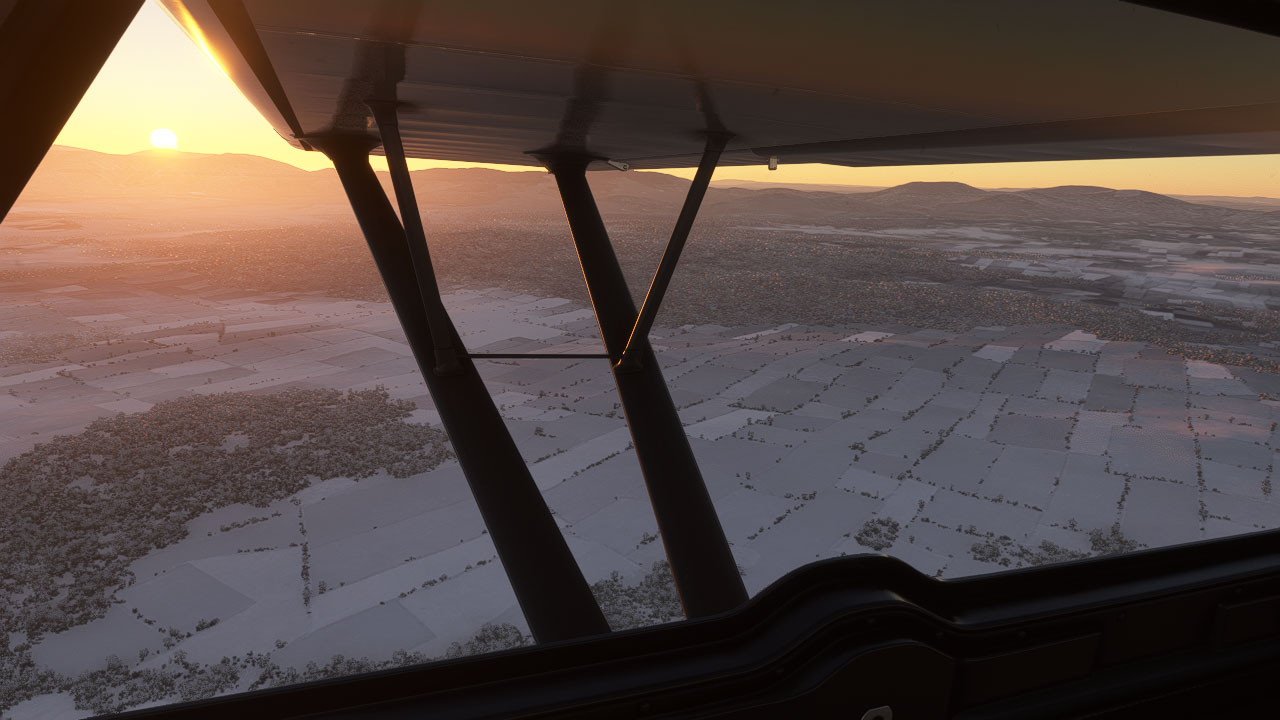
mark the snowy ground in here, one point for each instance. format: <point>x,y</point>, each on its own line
<point>1179,271</point>
<point>803,434</point>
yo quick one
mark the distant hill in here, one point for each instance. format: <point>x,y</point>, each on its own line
<point>915,195</point>
<point>1238,203</point>
<point>155,179</point>
<point>815,187</point>
<point>153,182</point>
<point>71,174</point>
<point>957,202</point>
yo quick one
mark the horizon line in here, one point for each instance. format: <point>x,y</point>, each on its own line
<point>671,172</point>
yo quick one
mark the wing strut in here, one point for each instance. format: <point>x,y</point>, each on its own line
<point>548,583</point>
<point>630,359</point>
<point>384,113</point>
<point>704,569</point>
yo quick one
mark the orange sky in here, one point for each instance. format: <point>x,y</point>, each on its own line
<point>158,78</point>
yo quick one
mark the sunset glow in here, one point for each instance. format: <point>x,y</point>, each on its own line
<point>164,139</point>
<point>157,70</point>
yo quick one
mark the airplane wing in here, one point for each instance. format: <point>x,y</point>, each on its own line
<point>854,83</point>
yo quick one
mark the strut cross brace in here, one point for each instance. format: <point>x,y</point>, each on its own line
<point>534,356</point>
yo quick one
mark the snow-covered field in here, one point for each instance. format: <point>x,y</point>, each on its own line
<point>961,453</point>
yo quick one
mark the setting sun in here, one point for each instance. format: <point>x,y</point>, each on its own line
<point>164,139</point>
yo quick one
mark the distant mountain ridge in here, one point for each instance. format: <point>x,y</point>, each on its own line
<point>152,179</point>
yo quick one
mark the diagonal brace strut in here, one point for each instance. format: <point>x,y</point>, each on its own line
<point>384,113</point>
<point>630,359</point>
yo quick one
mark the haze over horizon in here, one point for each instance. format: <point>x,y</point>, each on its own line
<point>196,189</point>
<point>782,182</point>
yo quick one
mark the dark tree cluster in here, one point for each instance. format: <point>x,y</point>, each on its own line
<point>20,676</point>
<point>115,687</point>
<point>652,601</point>
<point>878,533</point>
<point>1005,551</point>
<point>30,349</point>
<point>80,508</point>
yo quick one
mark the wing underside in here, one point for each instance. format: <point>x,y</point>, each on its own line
<point>858,84</point>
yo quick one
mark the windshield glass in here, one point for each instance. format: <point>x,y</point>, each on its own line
<point>223,471</point>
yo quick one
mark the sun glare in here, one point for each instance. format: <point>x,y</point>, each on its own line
<point>164,139</point>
